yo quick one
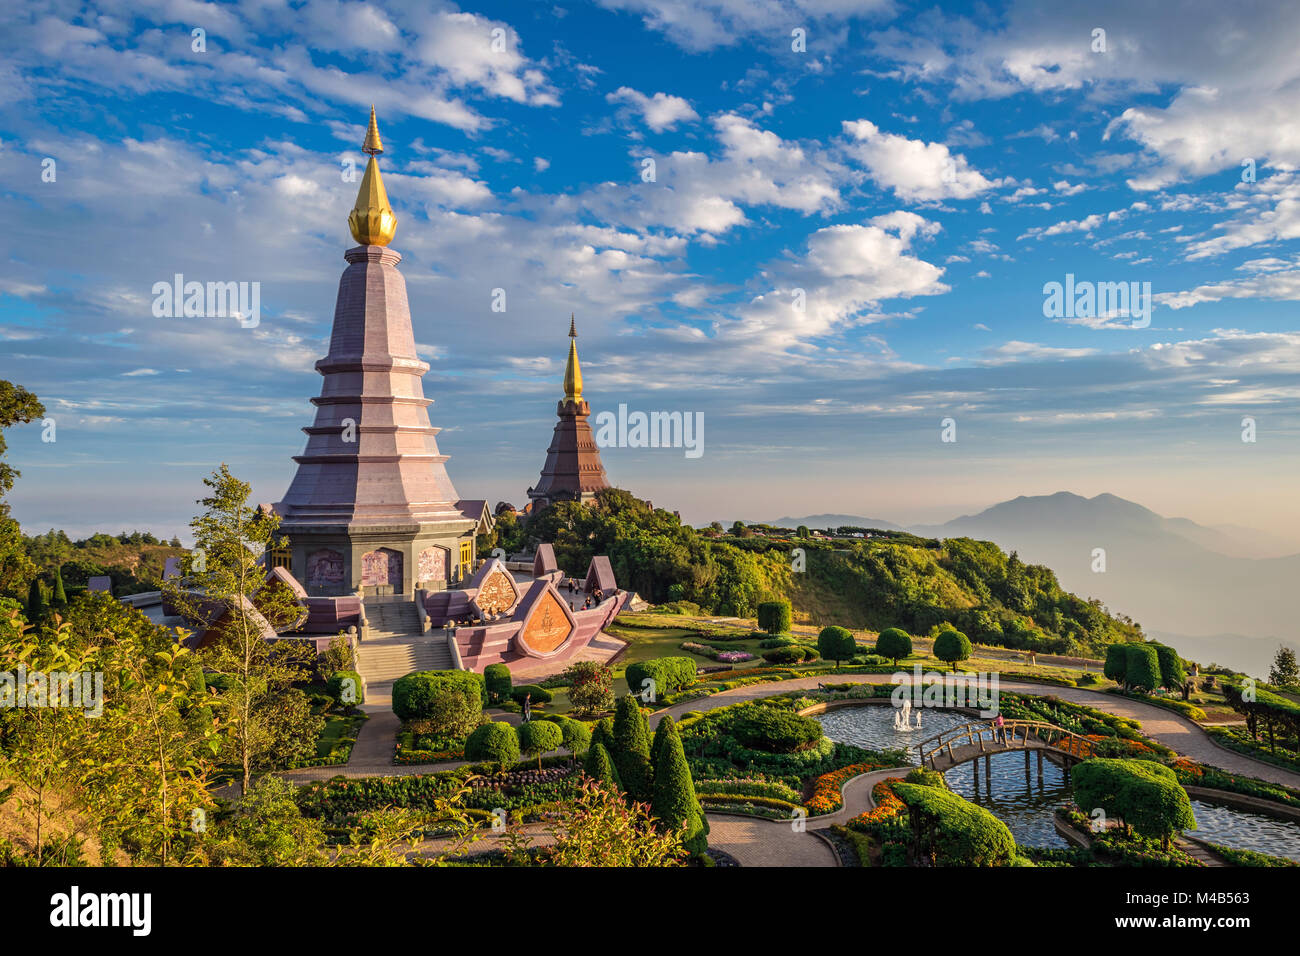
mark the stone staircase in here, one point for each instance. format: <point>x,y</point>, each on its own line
<point>395,647</point>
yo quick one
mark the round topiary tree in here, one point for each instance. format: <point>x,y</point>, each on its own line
<point>449,703</point>
<point>577,735</point>
<point>774,616</point>
<point>539,737</point>
<point>952,646</point>
<point>347,688</point>
<point>894,643</point>
<point>497,679</point>
<point>836,644</point>
<point>495,742</point>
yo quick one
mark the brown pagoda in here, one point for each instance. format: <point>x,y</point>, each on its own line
<point>372,507</point>
<point>573,471</point>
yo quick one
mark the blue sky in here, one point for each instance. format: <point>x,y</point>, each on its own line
<point>919,173</point>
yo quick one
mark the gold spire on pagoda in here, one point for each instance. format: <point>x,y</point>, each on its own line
<point>573,371</point>
<point>372,221</point>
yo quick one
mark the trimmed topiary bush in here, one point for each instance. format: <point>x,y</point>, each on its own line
<point>952,646</point>
<point>539,694</point>
<point>793,654</point>
<point>577,735</point>
<point>674,803</point>
<point>450,702</point>
<point>1116,665</point>
<point>670,674</point>
<point>1172,673</point>
<point>894,643</point>
<point>1141,794</point>
<point>953,832</point>
<point>836,644</point>
<point>496,678</point>
<point>776,731</point>
<point>631,752</point>
<point>600,767</point>
<point>774,616</point>
<point>495,742</point>
<point>1142,667</point>
<point>539,737</point>
<point>347,688</point>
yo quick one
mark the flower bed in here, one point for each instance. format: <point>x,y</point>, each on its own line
<point>826,792</point>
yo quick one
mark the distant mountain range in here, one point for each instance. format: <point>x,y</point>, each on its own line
<point>1215,593</point>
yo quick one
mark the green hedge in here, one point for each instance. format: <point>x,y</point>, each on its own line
<point>539,694</point>
<point>956,832</point>
<point>496,678</point>
<point>415,695</point>
<point>670,674</point>
<point>774,616</point>
<point>338,685</point>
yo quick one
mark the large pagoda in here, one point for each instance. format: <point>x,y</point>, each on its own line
<point>372,507</point>
<point>572,471</point>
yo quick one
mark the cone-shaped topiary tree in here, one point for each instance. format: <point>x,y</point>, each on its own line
<point>631,751</point>
<point>603,733</point>
<point>35,602</point>
<point>666,727</point>
<point>674,803</point>
<point>600,768</point>
<point>60,595</point>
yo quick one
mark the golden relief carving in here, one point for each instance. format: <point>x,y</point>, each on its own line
<point>548,627</point>
<point>498,594</point>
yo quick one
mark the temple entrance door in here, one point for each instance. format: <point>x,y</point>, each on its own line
<point>381,571</point>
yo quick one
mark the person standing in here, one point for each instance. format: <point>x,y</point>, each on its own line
<point>528,707</point>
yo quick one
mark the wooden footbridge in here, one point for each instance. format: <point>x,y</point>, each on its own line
<point>971,741</point>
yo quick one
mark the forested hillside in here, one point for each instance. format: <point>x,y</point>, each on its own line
<point>888,579</point>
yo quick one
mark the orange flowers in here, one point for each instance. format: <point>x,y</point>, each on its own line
<point>827,797</point>
<point>887,803</point>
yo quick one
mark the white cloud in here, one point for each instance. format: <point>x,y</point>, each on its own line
<point>660,111</point>
<point>913,168</point>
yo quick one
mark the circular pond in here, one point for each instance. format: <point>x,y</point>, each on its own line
<point>1025,800</point>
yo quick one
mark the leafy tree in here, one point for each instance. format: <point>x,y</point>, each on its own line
<point>952,646</point>
<point>253,674</point>
<point>267,829</point>
<point>836,644</point>
<point>631,751</point>
<point>674,803</point>
<point>894,643</point>
<point>1284,672</point>
<point>602,830</point>
<point>591,686</point>
<point>539,737</point>
<point>17,407</point>
<point>1142,667</point>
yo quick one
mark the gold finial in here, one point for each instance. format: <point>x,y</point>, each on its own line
<point>573,371</point>
<point>372,221</point>
<point>373,143</point>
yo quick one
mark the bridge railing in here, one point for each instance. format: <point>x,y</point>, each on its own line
<point>1016,734</point>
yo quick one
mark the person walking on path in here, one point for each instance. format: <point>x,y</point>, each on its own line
<point>1001,727</point>
<point>528,707</point>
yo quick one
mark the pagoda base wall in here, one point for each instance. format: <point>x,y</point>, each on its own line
<point>331,562</point>
<point>485,644</point>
